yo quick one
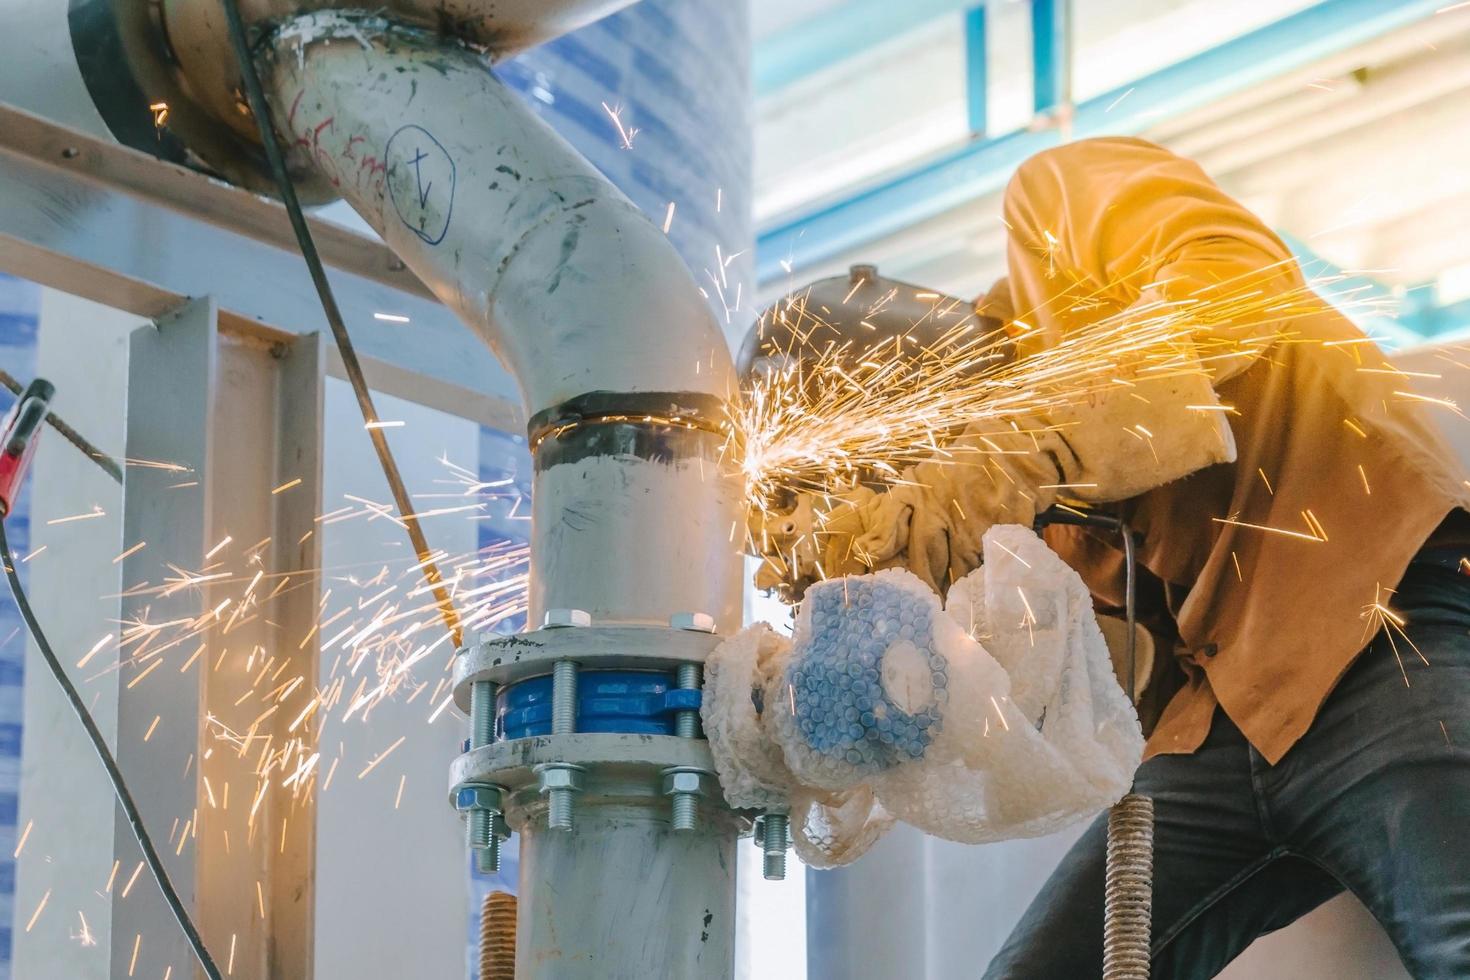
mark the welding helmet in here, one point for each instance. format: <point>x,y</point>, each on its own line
<point>849,318</point>
<point>844,321</point>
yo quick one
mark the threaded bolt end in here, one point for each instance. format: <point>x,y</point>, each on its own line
<point>684,811</point>
<point>774,842</point>
<point>559,809</point>
<point>563,698</point>
<point>1128,889</point>
<point>688,675</point>
<point>479,829</point>
<point>686,723</point>
<point>482,714</point>
<point>487,859</point>
<point>498,937</point>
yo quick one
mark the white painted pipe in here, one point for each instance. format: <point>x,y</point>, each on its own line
<point>569,283</point>
<point>591,309</point>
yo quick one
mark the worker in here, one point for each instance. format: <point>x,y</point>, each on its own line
<point>1302,534</point>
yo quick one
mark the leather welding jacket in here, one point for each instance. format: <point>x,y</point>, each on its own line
<point>1334,454</point>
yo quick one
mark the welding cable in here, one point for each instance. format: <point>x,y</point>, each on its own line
<point>255,96</point>
<point>114,774</point>
<point>105,462</point>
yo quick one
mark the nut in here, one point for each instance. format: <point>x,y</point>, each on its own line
<point>698,622</point>
<point>560,776</point>
<point>558,618</point>
<point>477,796</point>
<point>684,781</point>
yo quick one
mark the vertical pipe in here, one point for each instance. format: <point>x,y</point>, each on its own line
<point>622,896</point>
<point>577,292</point>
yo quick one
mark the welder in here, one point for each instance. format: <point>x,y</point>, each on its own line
<point>1303,537</point>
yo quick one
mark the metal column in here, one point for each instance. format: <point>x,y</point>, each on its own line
<point>240,407</point>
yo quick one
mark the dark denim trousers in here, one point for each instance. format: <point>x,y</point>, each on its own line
<point>1374,799</point>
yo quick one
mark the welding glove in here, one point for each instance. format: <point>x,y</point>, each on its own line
<point>813,540</point>
<point>1119,442</point>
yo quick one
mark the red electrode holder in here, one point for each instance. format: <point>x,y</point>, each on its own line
<point>18,436</point>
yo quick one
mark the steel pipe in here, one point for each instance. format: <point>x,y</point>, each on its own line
<point>623,372</point>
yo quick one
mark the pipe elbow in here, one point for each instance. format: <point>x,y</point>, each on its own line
<point>595,298</point>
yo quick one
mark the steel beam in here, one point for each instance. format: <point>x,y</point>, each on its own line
<point>1051,66</point>
<point>242,410</point>
<point>121,228</point>
<point>977,88</point>
<point>983,167</point>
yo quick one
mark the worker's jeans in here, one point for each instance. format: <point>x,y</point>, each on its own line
<point>1375,798</point>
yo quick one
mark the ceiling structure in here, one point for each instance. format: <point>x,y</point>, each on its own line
<point>1344,123</point>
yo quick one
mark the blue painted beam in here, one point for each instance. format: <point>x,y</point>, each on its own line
<point>977,90</point>
<point>984,166</point>
<point>1049,67</point>
<point>1438,322</point>
<point>828,38</point>
<point>1369,303</point>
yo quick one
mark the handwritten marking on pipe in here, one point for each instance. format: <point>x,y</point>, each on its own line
<point>420,177</point>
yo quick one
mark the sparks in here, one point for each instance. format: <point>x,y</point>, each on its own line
<point>39,909</point>
<point>625,134</point>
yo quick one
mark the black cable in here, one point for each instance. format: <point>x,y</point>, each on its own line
<point>104,461</point>
<point>255,97</point>
<point>114,774</point>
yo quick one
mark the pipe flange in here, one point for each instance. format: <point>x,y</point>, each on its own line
<point>506,659</point>
<point>515,765</point>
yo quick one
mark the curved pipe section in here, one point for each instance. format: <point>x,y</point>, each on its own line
<point>568,282</point>
<point>575,290</point>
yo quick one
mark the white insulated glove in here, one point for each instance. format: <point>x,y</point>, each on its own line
<point>1120,442</point>
<point>997,716</point>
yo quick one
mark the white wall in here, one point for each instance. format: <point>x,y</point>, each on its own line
<point>392,892</point>
<point>64,794</point>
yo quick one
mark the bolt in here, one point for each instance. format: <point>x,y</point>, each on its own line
<point>684,802</point>
<point>563,722</point>
<point>478,825</point>
<point>487,860</point>
<point>684,813</point>
<point>684,786</point>
<point>557,618</point>
<point>774,841</point>
<point>563,698</point>
<point>481,805</point>
<point>482,714</point>
<point>696,622</point>
<point>686,723</point>
<point>558,810</point>
<point>559,781</point>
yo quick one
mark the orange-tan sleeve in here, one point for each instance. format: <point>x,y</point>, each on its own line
<point>1121,226</point>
